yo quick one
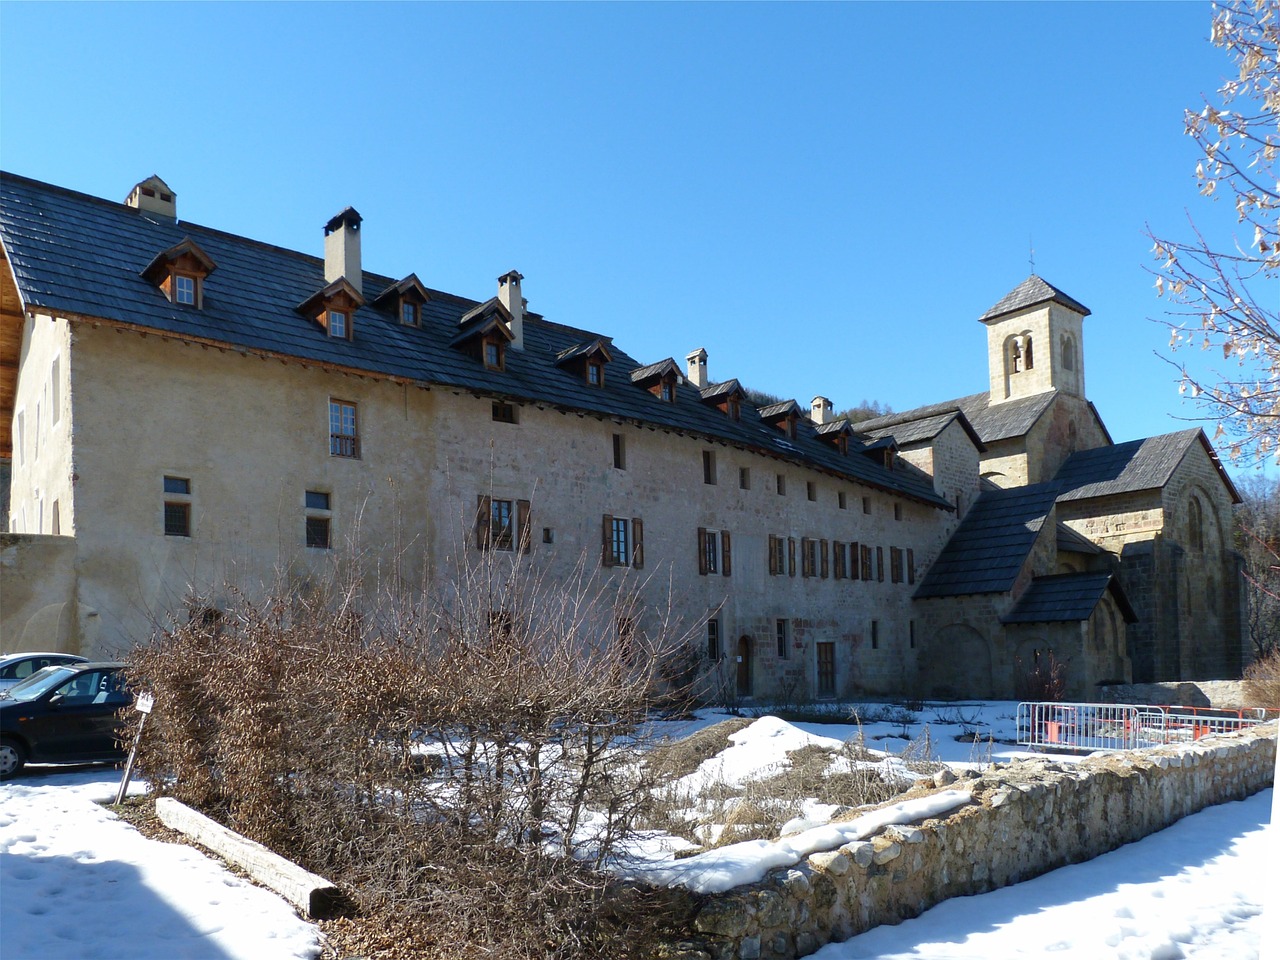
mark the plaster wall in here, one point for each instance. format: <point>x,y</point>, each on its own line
<point>40,487</point>
<point>38,610</point>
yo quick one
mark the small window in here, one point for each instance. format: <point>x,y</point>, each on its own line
<point>714,651</point>
<point>782,485</point>
<point>735,408</point>
<point>504,412</point>
<point>709,466</point>
<point>338,324</point>
<point>866,504</point>
<point>177,519</point>
<point>177,485</point>
<point>668,392</point>
<point>842,500</point>
<point>811,490</point>
<point>595,373</point>
<point>710,548</point>
<point>619,452</point>
<point>317,500</point>
<point>744,478</point>
<point>501,524</point>
<point>782,631</point>
<point>875,634</point>
<point>184,290</point>
<point>343,439</point>
<point>318,533</point>
<point>409,314</point>
<point>623,542</point>
<point>911,633</point>
<point>548,535</point>
<point>897,511</point>
<point>493,354</point>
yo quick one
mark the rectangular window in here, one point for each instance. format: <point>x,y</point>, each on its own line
<point>895,564</point>
<point>782,485</point>
<point>867,572</point>
<point>184,290</point>
<point>504,412</point>
<point>548,535</point>
<point>501,521</point>
<point>708,551</point>
<point>866,504</point>
<point>811,490</point>
<point>318,533</point>
<point>409,314</point>
<point>502,524</point>
<point>343,439</point>
<point>875,634</point>
<point>714,651</point>
<point>493,355</point>
<point>842,499</point>
<point>177,519</point>
<point>708,466</point>
<point>337,324</point>
<point>826,654</point>
<point>595,374</point>
<point>897,511</point>
<point>177,485</point>
<point>782,630</point>
<point>837,559</point>
<point>808,557</point>
<point>777,555</point>
<point>317,500</point>
<point>619,452</point>
<point>668,392</point>
<point>744,478</point>
<point>911,565</point>
<point>623,542</point>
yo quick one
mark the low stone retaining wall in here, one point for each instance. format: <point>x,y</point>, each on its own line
<point>1026,818</point>
<point>1225,694</point>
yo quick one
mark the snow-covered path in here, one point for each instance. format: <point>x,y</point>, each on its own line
<point>1195,890</point>
<point>77,882</point>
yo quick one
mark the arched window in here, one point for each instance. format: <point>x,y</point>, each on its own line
<point>1028,358</point>
<point>1068,353</point>
<point>1013,355</point>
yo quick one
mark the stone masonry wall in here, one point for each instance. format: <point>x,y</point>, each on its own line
<point>1025,819</point>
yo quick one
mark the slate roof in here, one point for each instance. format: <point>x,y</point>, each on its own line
<point>1067,597</point>
<point>724,388</point>
<point>77,255</point>
<point>922,430</point>
<point>1028,293</point>
<point>991,422</point>
<point>989,547</point>
<point>1132,467</point>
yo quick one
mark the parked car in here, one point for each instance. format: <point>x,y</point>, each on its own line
<point>15,667</point>
<point>62,714</point>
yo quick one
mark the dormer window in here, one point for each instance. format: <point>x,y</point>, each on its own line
<point>659,378</point>
<point>734,408</point>
<point>668,392</point>
<point>337,324</point>
<point>595,373</point>
<point>403,300</point>
<point>179,273</point>
<point>586,360</point>
<point>409,314</point>
<point>494,355</point>
<point>184,289</point>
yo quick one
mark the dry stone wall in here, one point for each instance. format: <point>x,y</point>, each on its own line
<point>1025,819</point>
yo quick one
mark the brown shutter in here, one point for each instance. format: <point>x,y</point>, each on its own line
<point>837,560</point>
<point>522,525</point>
<point>791,556</point>
<point>482,522</point>
<point>637,543</point>
<point>606,545</point>
<point>773,555</point>
<point>726,567</point>
<point>854,557</point>
<point>911,565</point>
<point>880,564</point>
<point>822,548</point>
<point>895,564</point>
<point>702,550</point>
<point>804,558</point>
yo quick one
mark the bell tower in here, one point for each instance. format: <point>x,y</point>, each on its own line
<point>1034,342</point>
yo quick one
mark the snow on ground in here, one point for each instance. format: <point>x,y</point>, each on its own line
<point>1194,890</point>
<point>77,882</point>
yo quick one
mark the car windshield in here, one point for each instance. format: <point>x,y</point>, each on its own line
<point>39,683</point>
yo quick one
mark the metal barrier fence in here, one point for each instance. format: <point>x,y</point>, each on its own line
<point>1089,727</point>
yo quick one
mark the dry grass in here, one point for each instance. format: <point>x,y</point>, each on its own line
<point>1262,681</point>
<point>679,758</point>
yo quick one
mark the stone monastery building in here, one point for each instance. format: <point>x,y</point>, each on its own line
<point>181,407</point>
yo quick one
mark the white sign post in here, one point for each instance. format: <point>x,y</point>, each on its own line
<point>144,703</point>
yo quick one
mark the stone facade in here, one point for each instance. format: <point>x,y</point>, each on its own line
<point>1025,819</point>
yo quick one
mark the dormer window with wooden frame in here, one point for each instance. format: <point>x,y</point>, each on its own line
<point>660,379</point>
<point>726,397</point>
<point>406,299</point>
<point>179,273</point>
<point>587,360</point>
<point>484,332</point>
<point>334,309</point>
<point>836,433</point>
<point>784,416</point>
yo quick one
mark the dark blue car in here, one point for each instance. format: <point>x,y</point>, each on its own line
<point>62,714</point>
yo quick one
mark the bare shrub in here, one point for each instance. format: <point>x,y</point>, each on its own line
<point>1044,681</point>
<point>467,758</point>
<point>1262,681</point>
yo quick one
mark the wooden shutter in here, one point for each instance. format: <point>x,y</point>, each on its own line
<point>854,557</point>
<point>895,564</point>
<point>837,560</point>
<point>822,552</point>
<point>805,566</point>
<point>773,555</point>
<point>791,556</point>
<point>637,543</point>
<point>911,565</point>
<point>867,572</point>
<point>702,550</point>
<point>482,522</point>
<point>880,564</point>
<point>725,566</point>
<point>606,545</point>
<point>524,531</point>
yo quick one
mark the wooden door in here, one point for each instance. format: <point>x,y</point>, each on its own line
<point>826,669</point>
<point>744,666</point>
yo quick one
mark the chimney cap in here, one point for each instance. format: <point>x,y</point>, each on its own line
<point>510,276</point>
<point>699,354</point>
<point>347,218</point>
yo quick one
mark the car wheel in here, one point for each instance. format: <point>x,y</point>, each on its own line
<point>11,758</point>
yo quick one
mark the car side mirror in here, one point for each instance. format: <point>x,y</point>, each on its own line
<point>56,700</point>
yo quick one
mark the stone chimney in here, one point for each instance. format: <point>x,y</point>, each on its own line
<point>342,249</point>
<point>698,368</point>
<point>820,410</point>
<point>153,195</point>
<point>510,297</point>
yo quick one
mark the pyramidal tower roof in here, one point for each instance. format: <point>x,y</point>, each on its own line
<point>1030,292</point>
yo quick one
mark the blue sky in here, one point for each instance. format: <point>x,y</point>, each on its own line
<point>825,197</point>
